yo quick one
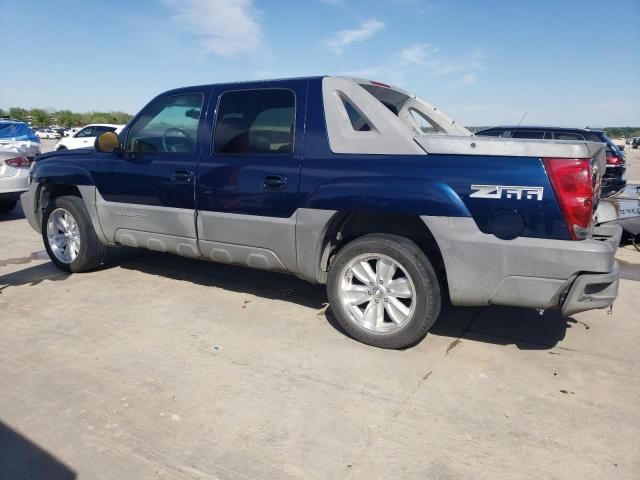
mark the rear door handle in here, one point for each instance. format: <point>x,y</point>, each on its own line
<point>182,176</point>
<point>274,182</point>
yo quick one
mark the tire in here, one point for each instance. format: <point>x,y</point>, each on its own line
<point>414,275</point>
<point>61,147</point>
<point>7,205</point>
<point>91,252</point>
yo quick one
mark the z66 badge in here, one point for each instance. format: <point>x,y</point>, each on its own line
<point>498,192</point>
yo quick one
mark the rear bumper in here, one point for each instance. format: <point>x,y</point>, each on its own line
<point>591,291</point>
<point>13,186</point>
<point>526,272</point>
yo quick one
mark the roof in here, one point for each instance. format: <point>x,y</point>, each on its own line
<point>245,82</point>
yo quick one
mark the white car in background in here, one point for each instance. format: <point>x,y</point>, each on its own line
<point>70,132</point>
<point>14,177</point>
<point>47,133</point>
<point>87,135</point>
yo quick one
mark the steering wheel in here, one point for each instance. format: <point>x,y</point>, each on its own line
<point>173,129</point>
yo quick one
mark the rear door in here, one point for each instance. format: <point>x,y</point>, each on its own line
<point>247,192</point>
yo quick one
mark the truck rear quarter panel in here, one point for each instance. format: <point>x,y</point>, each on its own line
<point>429,184</point>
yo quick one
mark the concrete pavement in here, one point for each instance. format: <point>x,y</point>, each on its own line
<point>162,367</point>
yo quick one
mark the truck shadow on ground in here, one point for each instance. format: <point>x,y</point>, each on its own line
<point>15,214</point>
<point>21,458</point>
<point>522,327</point>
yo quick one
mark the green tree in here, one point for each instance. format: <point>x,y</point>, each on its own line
<point>19,113</point>
<point>67,118</point>
<point>40,117</point>
<point>3,113</point>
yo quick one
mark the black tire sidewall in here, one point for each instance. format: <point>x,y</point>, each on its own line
<point>91,251</point>
<point>415,263</point>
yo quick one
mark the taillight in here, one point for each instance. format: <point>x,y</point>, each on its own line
<point>572,183</point>
<point>613,159</point>
<point>17,162</point>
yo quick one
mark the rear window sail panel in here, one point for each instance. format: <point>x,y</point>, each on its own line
<point>392,115</point>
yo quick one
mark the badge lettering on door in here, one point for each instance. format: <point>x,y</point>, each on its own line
<point>498,192</point>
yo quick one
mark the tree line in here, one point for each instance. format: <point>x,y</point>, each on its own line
<point>39,117</point>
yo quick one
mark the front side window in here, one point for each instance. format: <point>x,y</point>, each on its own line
<point>255,122</point>
<point>169,125</point>
<point>86,132</point>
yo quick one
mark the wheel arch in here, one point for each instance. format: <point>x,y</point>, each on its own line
<point>48,191</point>
<point>338,228</point>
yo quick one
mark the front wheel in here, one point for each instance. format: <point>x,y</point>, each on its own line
<point>384,291</point>
<point>69,237</point>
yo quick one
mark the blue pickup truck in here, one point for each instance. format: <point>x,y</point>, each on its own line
<point>346,182</point>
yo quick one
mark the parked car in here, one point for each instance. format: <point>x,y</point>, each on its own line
<point>47,133</point>
<point>613,181</point>
<point>69,132</point>
<point>86,136</point>
<point>635,143</point>
<point>332,179</point>
<point>17,135</point>
<point>14,177</point>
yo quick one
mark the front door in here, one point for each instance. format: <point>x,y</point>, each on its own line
<point>247,193</point>
<point>147,198</point>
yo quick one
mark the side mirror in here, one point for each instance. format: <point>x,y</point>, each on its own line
<point>107,142</point>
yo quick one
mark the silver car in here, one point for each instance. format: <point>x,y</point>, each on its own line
<point>14,177</point>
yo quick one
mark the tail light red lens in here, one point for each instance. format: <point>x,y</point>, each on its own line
<point>613,159</point>
<point>17,162</point>
<point>571,180</point>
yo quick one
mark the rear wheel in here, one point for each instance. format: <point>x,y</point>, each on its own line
<point>7,205</point>
<point>383,291</point>
<point>69,237</point>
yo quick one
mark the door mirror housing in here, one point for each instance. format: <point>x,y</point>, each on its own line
<point>107,142</point>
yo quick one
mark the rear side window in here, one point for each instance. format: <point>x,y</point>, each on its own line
<point>359,122</point>
<point>532,134</point>
<point>490,133</point>
<point>255,122</point>
<point>568,136</point>
<point>424,124</point>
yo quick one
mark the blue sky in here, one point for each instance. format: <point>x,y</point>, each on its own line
<point>565,62</point>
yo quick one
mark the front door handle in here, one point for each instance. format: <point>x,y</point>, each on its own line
<point>182,176</point>
<point>274,182</point>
